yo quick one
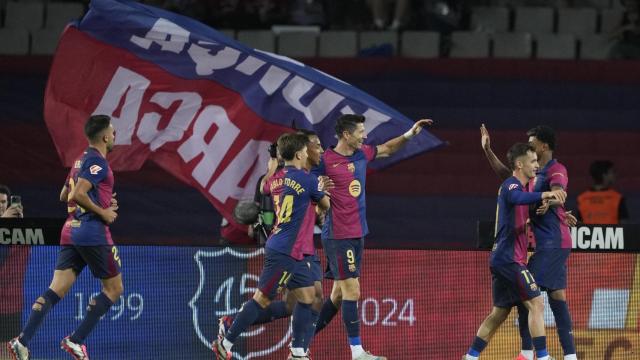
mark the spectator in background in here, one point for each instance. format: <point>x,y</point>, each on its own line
<point>347,14</point>
<point>13,260</point>
<point>443,16</point>
<point>602,204</point>
<point>8,210</point>
<point>383,19</point>
<point>307,12</point>
<point>252,221</point>
<point>266,216</point>
<point>627,35</point>
<point>246,14</point>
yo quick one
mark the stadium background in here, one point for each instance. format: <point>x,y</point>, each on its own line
<point>427,299</point>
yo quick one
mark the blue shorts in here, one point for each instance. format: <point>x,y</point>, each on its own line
<point>549,266</point>
<point>316,268</point>
<point>327,271</point>
<point>511,284</point>
<point>281,270</point>
<point>104,261</point>
<point>344,257</point>
<point>90,233</point>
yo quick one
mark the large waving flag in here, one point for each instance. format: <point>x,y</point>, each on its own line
<point>202,106</point>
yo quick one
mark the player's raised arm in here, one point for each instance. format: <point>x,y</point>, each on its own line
<point>395,144</point>
<point>81,197</point>
<point>500,169</point>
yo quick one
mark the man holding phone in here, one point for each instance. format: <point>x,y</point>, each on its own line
<point>13,260</point>
<point>10,205</point>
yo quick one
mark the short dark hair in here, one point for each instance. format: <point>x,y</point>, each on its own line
<point>599,168</point>
<point>348,122</point>
<point>544,134</point>
<point>95,125</point>
<point>4,189</point>
<point>290,144</point>
<point>307,133</point>
<point>516,151</point>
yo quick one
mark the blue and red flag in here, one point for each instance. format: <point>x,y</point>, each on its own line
<point>199,104</point>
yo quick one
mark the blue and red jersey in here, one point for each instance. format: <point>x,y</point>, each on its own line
<point>347,217</point>
<point>70,184</point>
<point>87,227</point>
<point>511,219</point>
<point>550,229</point>
<point>294,192</point>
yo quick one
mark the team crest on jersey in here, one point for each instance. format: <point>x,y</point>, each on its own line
<point>94,169</point>
<point>513,186</point>
<point>225,284</point>
<point>533,287</point>
<point>351,167</point>
<point>355,188</point>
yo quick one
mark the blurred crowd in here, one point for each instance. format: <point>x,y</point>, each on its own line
<point>328,14</point>
<point>444,16</point>
<point>627,35</point>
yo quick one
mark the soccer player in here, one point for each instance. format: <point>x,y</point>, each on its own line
<point>346,225</point>
<point>280,309</point>
<point>13,260</point>
<point>288,251</point>
<point>512,282</point>
<point>314,159</point>
<point>86,242</point>
<point>553,241</point>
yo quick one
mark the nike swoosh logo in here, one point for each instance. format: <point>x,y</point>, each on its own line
<point>336,165</point>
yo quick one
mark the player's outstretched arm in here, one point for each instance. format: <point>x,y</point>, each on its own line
<point>79,194</point>
<point>498,167</point>
<point>558,194</point>
<point>395,144</point>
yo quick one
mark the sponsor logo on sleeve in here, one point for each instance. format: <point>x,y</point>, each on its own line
<point>94,169</point>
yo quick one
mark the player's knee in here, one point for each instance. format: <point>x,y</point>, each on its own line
<point>38,304</point>
<point>536,305</point>
<point>498,315</point>
<point>119,289</point>
<point>336,297</point>
<point>336,292</point>
<point>353,293</point>
<point>350,289</point>
<point>318,292</point>
<point>558,295</point>
<point>309,297</point>
<point>113,291</point>
<point>261,299</point>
